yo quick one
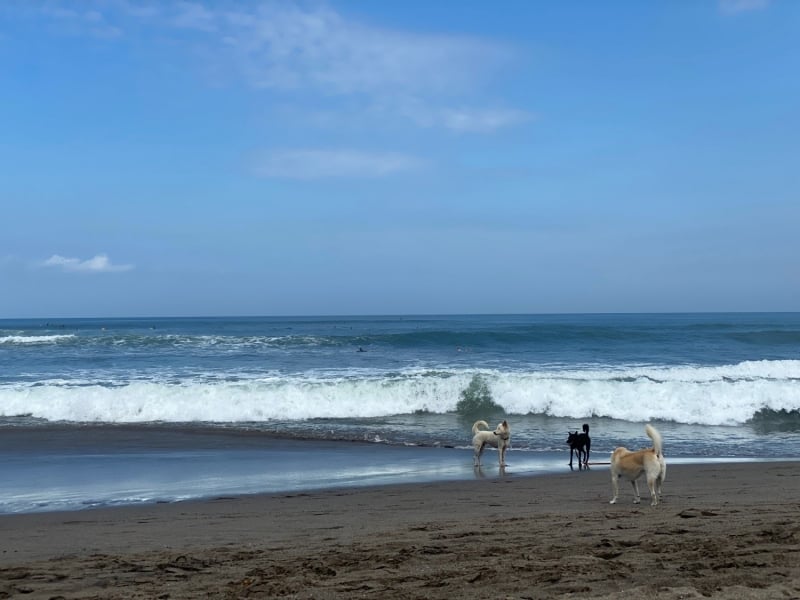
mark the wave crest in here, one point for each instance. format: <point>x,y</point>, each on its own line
<point>725,395</point>
<point>35,339</point>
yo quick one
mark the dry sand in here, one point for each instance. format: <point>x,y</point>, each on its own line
<point>722,531</point>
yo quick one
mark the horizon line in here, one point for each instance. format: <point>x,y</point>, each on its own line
<point>399,315</point>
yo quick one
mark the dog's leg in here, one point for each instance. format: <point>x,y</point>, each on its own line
<point>614,487</point>
<point>659,484</point>
<point>477,455</point>
<point>636,498</point>
<point>502,455</point>
<point>652,485</point>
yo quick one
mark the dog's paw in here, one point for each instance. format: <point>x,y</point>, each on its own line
<point>612,501</point>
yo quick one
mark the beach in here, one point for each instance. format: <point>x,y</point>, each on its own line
<point>723,530</point>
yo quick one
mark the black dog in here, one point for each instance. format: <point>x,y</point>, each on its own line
<point>580,444</point>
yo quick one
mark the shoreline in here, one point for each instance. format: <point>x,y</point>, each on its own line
<point>301,468</point>
<point>97,467</point>
<point>724,529</point>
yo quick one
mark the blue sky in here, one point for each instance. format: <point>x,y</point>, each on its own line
<point>281,158</point>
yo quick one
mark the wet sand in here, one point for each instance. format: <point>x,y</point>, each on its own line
<point>722,531</point>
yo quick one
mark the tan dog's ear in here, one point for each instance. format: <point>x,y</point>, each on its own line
<point>505,423</point>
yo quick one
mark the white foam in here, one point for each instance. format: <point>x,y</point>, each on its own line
<point>34,339</point>
<point>723,395</point>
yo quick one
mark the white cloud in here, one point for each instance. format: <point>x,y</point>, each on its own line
<point>282,47</point>
<point>311,49</point>
<point>191,15</point>
<point>80,21</point>
<point>323,164</point>
<point>97,264</point>
<point>739,6</point>
<point>482,121</point>
<point>287,45</point>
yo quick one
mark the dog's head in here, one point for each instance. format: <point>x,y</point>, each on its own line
<point>503,430</point>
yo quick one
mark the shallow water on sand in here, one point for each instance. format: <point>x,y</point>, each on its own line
<point>59,468</point>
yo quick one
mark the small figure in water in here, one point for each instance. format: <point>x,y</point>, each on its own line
<point>360,349</point>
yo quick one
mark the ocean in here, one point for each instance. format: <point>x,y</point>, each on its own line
<point>98,412</point>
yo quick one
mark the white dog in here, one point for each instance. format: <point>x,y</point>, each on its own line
<point>500,438</point>
<point>632,465</point>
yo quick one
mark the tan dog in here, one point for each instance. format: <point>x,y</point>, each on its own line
<point>632,465</point>
<point>500,438</point>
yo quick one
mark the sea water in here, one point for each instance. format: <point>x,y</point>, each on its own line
<point>98,411</point>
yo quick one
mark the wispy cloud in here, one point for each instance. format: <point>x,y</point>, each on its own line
<point>81,20</point>
<point>483,120</point>
<point>323,164</point>
<point>311,49</point>
<point>285,45</point>
<point>281,46</point>
<point>740,6</point>
<point>97,264</point>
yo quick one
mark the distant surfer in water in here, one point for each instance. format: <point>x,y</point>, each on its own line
<point>360,349</point>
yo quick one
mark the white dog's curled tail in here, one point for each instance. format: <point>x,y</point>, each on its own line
<point>653,434</point>
<point>477,426</point>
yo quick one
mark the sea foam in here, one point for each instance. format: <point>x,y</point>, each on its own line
<point>719,395</point>
<point>35,339</point>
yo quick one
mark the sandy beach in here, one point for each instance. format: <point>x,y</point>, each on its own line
<point>722,531</point>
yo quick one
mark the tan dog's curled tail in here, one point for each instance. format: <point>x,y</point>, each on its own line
<point>477,426</point>
<point>653,434</point>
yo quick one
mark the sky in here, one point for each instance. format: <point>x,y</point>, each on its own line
<point>360,158</point>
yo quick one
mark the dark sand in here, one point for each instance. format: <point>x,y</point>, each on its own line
<point>722,531</point>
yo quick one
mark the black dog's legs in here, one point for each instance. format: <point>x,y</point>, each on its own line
<point>588,442</point>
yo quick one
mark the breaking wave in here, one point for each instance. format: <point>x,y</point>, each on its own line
<point>711,395</point>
